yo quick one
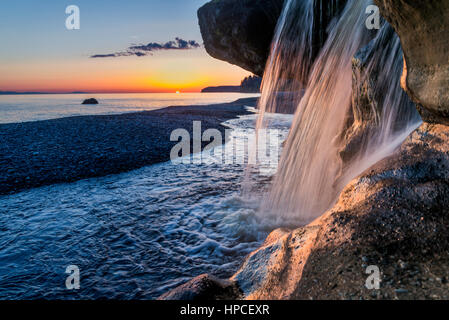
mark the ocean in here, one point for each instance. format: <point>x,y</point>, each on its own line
<point>21,108</point>
<point>133,235</point>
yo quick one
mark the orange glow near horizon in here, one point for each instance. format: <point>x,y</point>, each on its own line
<point>188,71</point>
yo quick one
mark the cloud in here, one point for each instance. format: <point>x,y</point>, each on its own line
<point>111,55</point>
<point>142,50</point>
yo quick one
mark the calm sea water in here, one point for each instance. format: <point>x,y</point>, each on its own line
<point>134,235</point>
<point>20,108</point>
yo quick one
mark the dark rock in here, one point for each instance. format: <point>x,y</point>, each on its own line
<point>250,84</point>
<point>240,31</point>
<point>394,216</point>
<point>204,287</point>
<point>401,291</point>
<point>423,27</point>
<point>221,89</point>
<point>90,101</point>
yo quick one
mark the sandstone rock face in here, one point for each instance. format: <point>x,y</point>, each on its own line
<point>204,287</point>
<point>272,271</point>
<point>394,217</point>
<point>240,31</point>
<point>423,27</point>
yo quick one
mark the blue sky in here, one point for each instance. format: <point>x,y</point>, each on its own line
<point>38,27</point>
<point>34,38</point>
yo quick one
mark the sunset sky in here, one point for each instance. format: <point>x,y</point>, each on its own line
<point>38,53</point>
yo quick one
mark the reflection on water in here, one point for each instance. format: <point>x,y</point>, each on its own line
<point>133,235</point>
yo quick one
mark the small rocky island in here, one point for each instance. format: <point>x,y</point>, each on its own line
<point>90,101</point>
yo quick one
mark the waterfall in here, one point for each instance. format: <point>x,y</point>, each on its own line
<point>392,116</point>
<point>301,29</point>
<point>290,58</point>
<point>311,173</point>
<point>287,68</point>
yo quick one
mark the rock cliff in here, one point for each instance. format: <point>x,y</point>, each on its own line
<point>423,27</point>
<point>240,31</point>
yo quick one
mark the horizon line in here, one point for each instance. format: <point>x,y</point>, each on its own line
<point>8,92</point>
<point>30,92</point>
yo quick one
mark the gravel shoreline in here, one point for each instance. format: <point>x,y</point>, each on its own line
<point>39,153</point>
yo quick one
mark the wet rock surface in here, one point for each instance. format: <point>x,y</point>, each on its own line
<point>39,153</point>
<point>395,216</point>
<point>204,287</point>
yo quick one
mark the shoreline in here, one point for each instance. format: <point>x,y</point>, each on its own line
<point>39,153</point>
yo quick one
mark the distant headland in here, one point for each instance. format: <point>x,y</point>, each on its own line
<point>250,84</point>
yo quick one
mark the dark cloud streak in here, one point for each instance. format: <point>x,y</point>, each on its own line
<point>147,49</point>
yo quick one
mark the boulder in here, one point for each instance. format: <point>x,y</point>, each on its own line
<point>423,27</point>
<point>90,101</point>
<point>240,31</point>
<point>204,287</point>
<point>394,217</point>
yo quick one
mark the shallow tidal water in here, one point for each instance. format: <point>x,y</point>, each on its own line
<point>134,235</point>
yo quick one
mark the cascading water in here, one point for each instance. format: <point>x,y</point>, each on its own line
<point>392,116</point>
<point>312,173</point>
<point>290,59</point>
<point>287,69</point>
<point>297,36</point>
<point>299,32</point>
